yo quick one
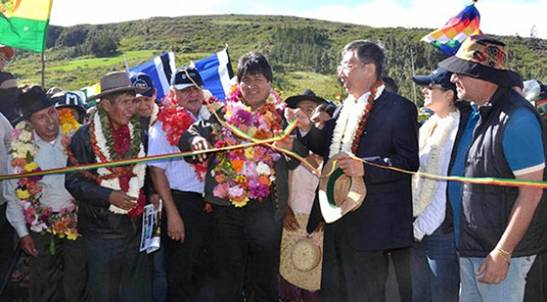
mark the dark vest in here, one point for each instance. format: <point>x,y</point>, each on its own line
<point>486,209</point>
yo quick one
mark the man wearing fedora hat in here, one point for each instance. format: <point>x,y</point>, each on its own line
<point>381,127</point>
<point>111,200</point>
<point>501,228</point>
<point>301,283</point>
<point>56,262</point>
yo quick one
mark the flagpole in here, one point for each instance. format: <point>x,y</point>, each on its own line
<point>43,61</point>
<point>413,74</point>
<point>125,63</point>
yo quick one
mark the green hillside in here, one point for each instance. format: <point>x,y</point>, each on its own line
<point>304,52</point>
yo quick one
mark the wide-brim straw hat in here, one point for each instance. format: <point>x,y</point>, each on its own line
<point>339,194</point>
<point>301,256</point>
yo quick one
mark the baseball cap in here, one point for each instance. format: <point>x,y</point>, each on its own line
<point>143,81</point>
<point>185,77</point>
<point>439,76</point>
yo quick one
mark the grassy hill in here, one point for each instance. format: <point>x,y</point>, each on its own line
<point>304,52</point>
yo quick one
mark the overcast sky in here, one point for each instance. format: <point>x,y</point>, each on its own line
<point>503,17</point>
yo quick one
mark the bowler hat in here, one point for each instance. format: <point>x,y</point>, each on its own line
<point>307,94</point>
<point>32,100</point>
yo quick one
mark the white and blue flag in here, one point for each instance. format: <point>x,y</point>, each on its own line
<point>160,69</point>
<point>216,73</point>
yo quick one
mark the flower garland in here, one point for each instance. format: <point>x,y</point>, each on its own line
<point>434,134</point>
<point>247,174</point>
<point>352,121</point>
<point>123,143</point>
<point>23,151</point>
<point>175,120</point>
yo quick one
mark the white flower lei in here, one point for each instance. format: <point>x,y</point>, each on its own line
<point>135,183</point>
<point>348,122</point>
<point>434,133</point>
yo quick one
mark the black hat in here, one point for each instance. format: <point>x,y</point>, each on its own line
<point>142,80</point>
<point>185,77</point>
<point>307,94</point>
<point>33,100</point>
<point>439,76</point>
<point>480,57</point>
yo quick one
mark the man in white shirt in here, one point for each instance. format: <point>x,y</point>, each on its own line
<point>57,261</point>
<point>187,222</point>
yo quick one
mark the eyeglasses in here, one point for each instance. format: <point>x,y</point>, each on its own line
<point>349,67</point>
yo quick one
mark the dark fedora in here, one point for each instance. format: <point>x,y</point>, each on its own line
<point>116,82</point>
<point>480,57</point>
<point>307,94</point>
<point>31,100</point>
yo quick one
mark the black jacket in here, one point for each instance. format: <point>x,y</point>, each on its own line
<point>390,137</point>
<point>486,209</point>
<point>94,218</point>
<point>465,109</point>
<point>207,129</point>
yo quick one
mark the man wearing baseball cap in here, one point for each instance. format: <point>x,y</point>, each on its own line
<point>180,185</point>
<point>502,228</point>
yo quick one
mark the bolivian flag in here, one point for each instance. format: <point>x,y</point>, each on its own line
<point>23,23</point>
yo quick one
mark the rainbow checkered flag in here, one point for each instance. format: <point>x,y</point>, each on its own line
<point>449,38</point>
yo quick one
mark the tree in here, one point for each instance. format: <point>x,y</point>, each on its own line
<point>73,36</point>
<point>101,44</point>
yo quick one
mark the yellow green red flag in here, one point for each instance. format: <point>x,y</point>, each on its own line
<point>23,23</point>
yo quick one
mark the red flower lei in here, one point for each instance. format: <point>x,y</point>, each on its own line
<point>175,120</point>
<point>368,108</point>
<point>122,143</point>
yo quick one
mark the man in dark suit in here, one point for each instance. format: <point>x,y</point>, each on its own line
<point>249,227</point>
<point>380,127</point>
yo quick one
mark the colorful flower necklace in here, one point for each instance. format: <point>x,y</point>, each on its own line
<point>352,121</point>
<point>23,151</point>
<point>123,143</point>
<point>247,174</point>
<point>175,120</point>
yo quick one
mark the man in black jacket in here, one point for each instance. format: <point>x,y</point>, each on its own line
<point>111,199</point>
<point>248,220</point>
<point>381,127</point>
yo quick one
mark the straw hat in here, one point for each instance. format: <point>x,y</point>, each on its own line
<point>339,194</point>
<point>302,256</point>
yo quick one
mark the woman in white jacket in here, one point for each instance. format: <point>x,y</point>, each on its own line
<point>434,264</point>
